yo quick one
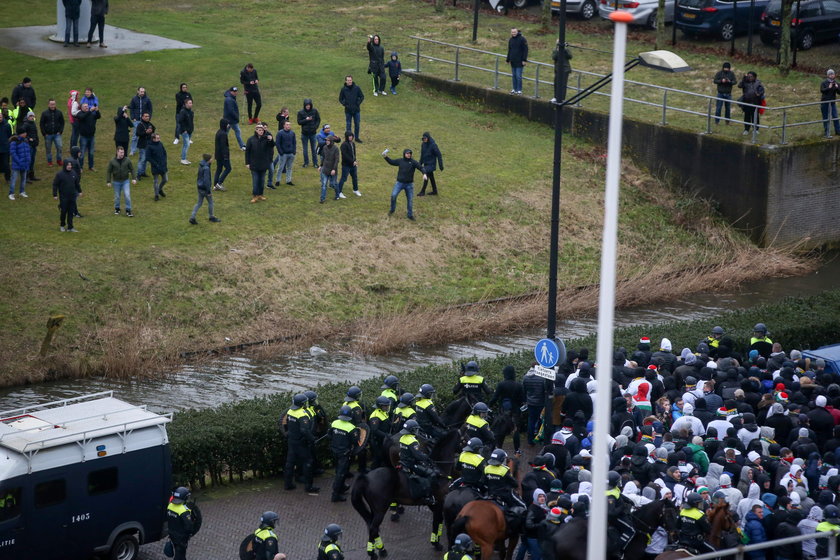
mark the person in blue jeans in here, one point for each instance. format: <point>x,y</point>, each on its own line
<point>536,514</point>
<point>828,91</point>
<point>309,120</point>
<point>724,80</point>
<point>517,57</point>
<point>21,158</point>
<point>351,98</point>
<point>231,114</point>
<point>329,167</point>
<point>405,179</point>
<point>72,13</point>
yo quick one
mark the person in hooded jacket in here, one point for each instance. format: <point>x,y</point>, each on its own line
<point>309,120</point>
<point>122,128</point>
<point>205,189</point>
<point>431,159</point>
<point>535,515</point>
<point>394,67</point>
<point>351,98</point>
<point>221,155</point>
<point>180,98</point>
<point>156,156</point>
<point>821,420</point>
<point>376,66</point>
<point>5,135</point>
<point>21,158</point>
<point>258,152</point>
<point>510,395</point>
<point>578,400</point>
<point>66,188</point>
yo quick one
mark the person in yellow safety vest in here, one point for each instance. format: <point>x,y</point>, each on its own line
<point>713,340</point>
<point>405,411</point>
<point>265,539</point>
<point>415,462</point>
<point>500,482</point>
<point>462,546</point>
<point>17,114</point>
<point>471,466</point>
<point>471,385</point>
<point>300,445</point>
<point>344,439</point>
<point>390,389</point>
<point>831,522</point>
<point>379,423</point>
<point>316,412</point>
<point>328,548</point>
<point>427,415</point>
<point>760,341</point>
<point>179,522</point>
<point>476,424</point>
<point>694,527</point>
<point>359,419</point>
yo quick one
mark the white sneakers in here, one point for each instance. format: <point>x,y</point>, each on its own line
<point>357,193</point>
<point>341,195</point>
<point>185,162</point>
<point>175,141</point>
<point>24,195</point>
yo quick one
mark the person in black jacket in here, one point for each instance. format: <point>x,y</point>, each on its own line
<point>31,129</point>
<point>186,123</point>
<point>431,159</point>
<point>510,394</point>
<point>143,133</point>
<point>310,121</point>
<point>405,179</point>
<point>180,98</point>
<point>376,67</point>
<point>258,156</point>
<point>66,187</point>
<point>205,189</point>
<point>52,127</point>
<point>351,98</point>
<point>724,80</point>
<point>349,164</point>
<point>251,82</point>
<point>517,57</point>
<point>156,156</point>
<point>98,10</point>
<point>72,13</point>
<point>222,155</point>
<point>122,128</point>
<point>25,91</point>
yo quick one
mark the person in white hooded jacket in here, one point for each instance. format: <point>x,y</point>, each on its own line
<point>733,495</point>
<point>745,505</point>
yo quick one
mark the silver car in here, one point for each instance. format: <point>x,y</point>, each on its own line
<point>643,11</point>
<point>586,9</point>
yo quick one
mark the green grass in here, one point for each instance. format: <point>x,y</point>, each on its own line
<point>134,288</point>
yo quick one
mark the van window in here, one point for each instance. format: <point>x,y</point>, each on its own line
<point>831,7</point>
<point>9,503</point>
<point>103,481</point>
<point>50,493</point>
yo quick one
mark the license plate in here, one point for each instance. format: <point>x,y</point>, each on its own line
<point>614,5</point>
<point>775,23</point>
<point>689,16</point>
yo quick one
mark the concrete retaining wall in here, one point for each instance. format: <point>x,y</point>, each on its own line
<point>777,194</point>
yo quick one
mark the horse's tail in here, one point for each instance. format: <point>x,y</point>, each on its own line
<point>359,500</point>
<point>460,526</point>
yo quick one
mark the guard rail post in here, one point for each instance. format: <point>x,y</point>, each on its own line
<point>664,107</point>
<point>537,82</point>
<point>417,66</point>
<point>709,118</point>
<point>832,545</point>
<point>496,75</point>
<point>578,104</point>
<point>755,125</point>
<point>784,126</point>
<point>457,62</point>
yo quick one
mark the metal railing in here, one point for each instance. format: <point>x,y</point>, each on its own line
<point>739,551</point>
<point>663,101</point>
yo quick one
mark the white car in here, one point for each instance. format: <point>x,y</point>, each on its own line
<point>643,11</point>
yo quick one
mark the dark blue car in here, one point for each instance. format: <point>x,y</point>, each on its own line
<point>813,21</point>
<point>718,18</point>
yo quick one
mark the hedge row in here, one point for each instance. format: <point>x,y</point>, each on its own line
<point>212,446</point>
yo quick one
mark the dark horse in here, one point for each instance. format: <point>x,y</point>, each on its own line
<point>570,541</point>
<point>456,412</point>
<point>484,522</point>
<point>373,493</point>
<point>721,521</point>
<point>502,426</point>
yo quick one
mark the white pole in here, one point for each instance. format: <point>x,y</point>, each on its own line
<point>597,533</point>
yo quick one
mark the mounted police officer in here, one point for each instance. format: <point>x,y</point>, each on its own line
<point>390,389</point>
<point>301,444</point>
<point>476,424</point>
<point>471,385</point>
<point>379,423</point>
<point>694,527</point>
<point>830,522</point>
<point>416,464</point>
<point>500,483</point>
<point>461,548</point>
<point>265,539</point>
<point>404,411</point>
<point>328,548</point>
<point>180,522</point>
<point>358,418</point>
<point>344,439</point>
<point>427,415</point>
<point>618,512</point>
<point>471,466</point>
<point>760,341</point>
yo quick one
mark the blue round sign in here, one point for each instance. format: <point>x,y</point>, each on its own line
<point>547,353</point>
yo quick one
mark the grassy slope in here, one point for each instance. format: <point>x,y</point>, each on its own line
<point>155,282</point>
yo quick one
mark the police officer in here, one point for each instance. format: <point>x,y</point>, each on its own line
<point>380,430</point>
<point>471,465</point>
<point>830,522</point>
<point>476,424</point>
<point>405,411</point>
<point>344,438</point>
<point>358,418</point>
<point>618,510</point>
<point>694,526</point>
<point>461,548</point>
<point>180,522</point>
<point>760,341</point>
<point>328,548</point>
<point>301,444</point>
<point>500,482</point>
<point>427,415</point>
<point>471,385</point>
<point>390,389</point>
<point>319,424</point>
<point>415,462</point>
<point>265,539</point>
<point>713,340</point>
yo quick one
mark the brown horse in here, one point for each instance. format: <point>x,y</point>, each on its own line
<point>720,519</point>
<point>484,522</point>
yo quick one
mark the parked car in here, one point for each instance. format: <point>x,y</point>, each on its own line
<point>586,9</point>
<point>830,354</point>
<point>816,21</point>
<point>721,18</point>
<point>643,11</point>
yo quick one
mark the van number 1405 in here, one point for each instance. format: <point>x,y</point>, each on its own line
<point>80,517</point>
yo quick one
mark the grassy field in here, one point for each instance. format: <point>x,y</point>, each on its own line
<point>137,291</point>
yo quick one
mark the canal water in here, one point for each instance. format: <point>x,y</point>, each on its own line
<point>236,377</point>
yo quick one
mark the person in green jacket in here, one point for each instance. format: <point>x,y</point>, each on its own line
<point>120,173</point>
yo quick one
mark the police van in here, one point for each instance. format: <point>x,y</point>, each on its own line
<point>82,477</point>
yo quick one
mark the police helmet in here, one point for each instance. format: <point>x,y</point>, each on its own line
<point>760,328</point>
<point>312,396</point>
<point>717,330</point>
<point>333,531</point>
<point>407,399</point>
<point>474,445</point>
<point>613,479</point>
<point>472,366</point>
<point>463,542</point>
<point>480,408</point>
<point>383,402</point>
<point>427,390</point>
<point>180,495</point>
<point>831,512</point>
<point>353,394</point>
<point>299,400</point>
<point>693,499</point>
<point>345,413</point>
<point>411,426</point>
<point>390,382</point>
<point>498,457</point>
<point>269,519</point>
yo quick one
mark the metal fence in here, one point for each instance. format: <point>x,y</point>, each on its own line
<point>684,109</point>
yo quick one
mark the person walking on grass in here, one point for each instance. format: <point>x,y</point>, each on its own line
<point>120,174</point>
<point>258,152</point>
<point>231,114</point>
<point>21,157</point>
<point>394,67</point>
<point>222,155</point>
<point>351,98</point>
<point>186,124</point>
<point>430,159</point>
<point>180,98</point>
<point>143,133</point>
<point>138,105</point>
<point>251,82</point>
<point>204,189</point>
<point>156,156</point>
<point>405,179</point>
<point>349,163</point>
<point>66,188</point>
<point>286,147</point>
<point>329,167</point>
<point>376,66</point>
